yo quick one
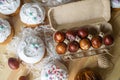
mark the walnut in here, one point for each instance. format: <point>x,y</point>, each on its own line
<point>87,74</point>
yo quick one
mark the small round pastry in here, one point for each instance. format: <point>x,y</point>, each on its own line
<point>73,46</point>
<point>54,70</point>
<point>108,40</point>
<point>71,35</point>
<point>82,32</point>
<point>8,7</point>
<point>88,74</point>
<point>6,32</point>
<point>96,42</point>
<point>85,44</point>
<point>31,49</point>
<point>61,48</point>
<point>59,36</point>
<point>32,14</point>
<point>13,63</point>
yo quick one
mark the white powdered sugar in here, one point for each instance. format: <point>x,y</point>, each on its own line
<point>9,6</point>
<point>32,13</point>
<point>55,2</point>
<point>115,3</point>
<point>5,30</point>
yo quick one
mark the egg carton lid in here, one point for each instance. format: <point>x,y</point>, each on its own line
<point>79,13</point>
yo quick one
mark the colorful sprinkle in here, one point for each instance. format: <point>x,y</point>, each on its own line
<point>1,3</point>
<point>35,45</point>
<point>61,74</point>
<point>46,75</point>
<point>1,27</point>
<point>54,73</point>
<point>35,18</point>
<point>31,13</point>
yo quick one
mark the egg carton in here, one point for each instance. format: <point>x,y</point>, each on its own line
<point>78,14</point>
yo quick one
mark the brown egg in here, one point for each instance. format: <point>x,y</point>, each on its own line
<point>61,48</point>
<point>96,42</point>
<point>13,63</point>
<point>83,32</point>
<point>59,36</point>
<point>85,44</point>
<point>73,46</point>
<point>108,40</point>
<point>23,78</point>
<point>71,35</point>
<point>88,74</point>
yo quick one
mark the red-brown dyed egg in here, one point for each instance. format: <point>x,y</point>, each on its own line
<point>108,40</point>
<point>13,63</point>
<point>96,42</point>
<point>71,35</point>
<point>59,36</point>
<point>23,78</point>
<point>73,46</point>
<point>83,33</point>
<point>85,44</point>
<point>61,48</point>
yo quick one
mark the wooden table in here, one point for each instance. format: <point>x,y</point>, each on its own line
<point>113,74</point>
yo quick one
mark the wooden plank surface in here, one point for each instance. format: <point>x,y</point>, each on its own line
<point>75,66</point>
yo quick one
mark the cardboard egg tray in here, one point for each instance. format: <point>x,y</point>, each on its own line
<point>94,30</point>
<point>77,14</point>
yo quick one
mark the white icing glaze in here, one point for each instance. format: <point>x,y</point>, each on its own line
<point>55,2</point>
<point>54,71</point>
<point>9,6</point>
<point>5,30</point>
<point>32,13</point>
<point>31,49</point>
<point>115,3</point>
